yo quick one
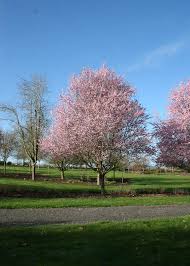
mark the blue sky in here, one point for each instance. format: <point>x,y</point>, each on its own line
<point>148,42</point>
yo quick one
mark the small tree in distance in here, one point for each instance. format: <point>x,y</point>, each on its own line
<point>7,146</point>
<point>57,150</point>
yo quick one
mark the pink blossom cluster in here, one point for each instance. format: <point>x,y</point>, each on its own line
<point>179,108</point>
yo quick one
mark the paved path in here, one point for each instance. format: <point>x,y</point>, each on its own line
<point>86,215</point>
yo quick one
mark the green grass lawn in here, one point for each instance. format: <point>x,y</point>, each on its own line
<point>78,173</point>
<point>54,172</point>
<point>147,243</point>
<point>12,203</point>
<point>19,185</point>
<point>139,184</point>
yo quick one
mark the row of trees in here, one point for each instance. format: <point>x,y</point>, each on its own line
<point>97,122</point>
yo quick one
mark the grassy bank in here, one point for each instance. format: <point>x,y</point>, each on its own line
<point>48,185</point>
<point>28,188</point>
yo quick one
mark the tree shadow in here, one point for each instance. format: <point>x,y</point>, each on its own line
<point>133,243</point>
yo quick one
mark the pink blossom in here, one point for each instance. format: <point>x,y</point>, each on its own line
<point>99,120</point>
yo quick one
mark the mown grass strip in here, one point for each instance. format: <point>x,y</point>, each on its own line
<point>12,203</point>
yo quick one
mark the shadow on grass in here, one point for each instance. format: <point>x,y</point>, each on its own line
<point>20,188</point>
<point>160,181</point>
<point>46,192</point>
<point>164,242</point>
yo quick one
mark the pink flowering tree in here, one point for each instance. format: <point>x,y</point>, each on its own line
<point>173,145</point>
<point>179,107</point>
<point>100,121</point>
<point>55,154</point>
<point>56,144</point>
<point>173,134</point>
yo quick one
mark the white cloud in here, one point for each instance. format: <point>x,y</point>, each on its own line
<point>156,55</point>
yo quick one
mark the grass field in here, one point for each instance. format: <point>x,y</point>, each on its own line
<point>142,185</point>
<point>78,173</point>
<point>155,242</point>
<point>137,183</point>
<point>50,192</point>
<point>54,172</point>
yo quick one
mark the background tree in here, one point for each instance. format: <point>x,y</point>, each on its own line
<point>7,146</point>
<point>140,163</point>
<point>1,136</point>
<point>179,106</point>
<point>57,149</point>
<point>99,120</point>
<point>173,144</point>
<point>173,134</point>
<point>20,153</point>
<point>30,117</point>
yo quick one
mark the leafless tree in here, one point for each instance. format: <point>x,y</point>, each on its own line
<point>30,117</point>
<point>7,146</point>
<point>20,153</point>
<point>1,135</point>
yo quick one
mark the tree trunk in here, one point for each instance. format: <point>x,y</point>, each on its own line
<point>62,171</point>
<point>98,179</point>
<point>62,174</point>
<point>102,183</point>
<point>5,167</point>
<point>33,171</point>
<point>30,167</point>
